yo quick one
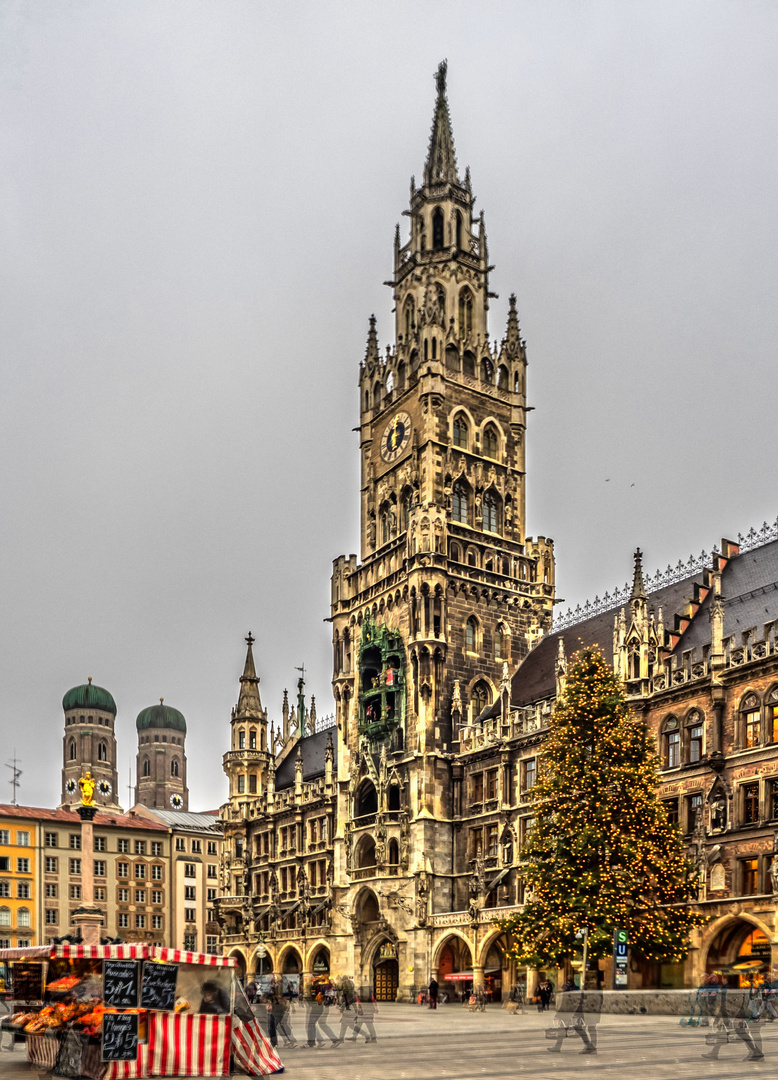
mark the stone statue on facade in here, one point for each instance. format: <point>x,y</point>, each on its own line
<point>422,894</point>
<point>718,813</point>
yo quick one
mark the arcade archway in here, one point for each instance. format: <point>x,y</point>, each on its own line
<point>738,952</point>
<point>455,967</point>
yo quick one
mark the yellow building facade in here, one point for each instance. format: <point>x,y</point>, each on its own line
<point>19,880</point>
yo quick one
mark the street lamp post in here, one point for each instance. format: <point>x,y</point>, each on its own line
<point>583,935</point>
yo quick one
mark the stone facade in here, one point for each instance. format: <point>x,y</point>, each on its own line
<point>447,593</point>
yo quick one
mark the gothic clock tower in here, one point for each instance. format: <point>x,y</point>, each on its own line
<point>448,589</point>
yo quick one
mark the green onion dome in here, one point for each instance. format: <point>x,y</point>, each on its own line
<point>89,696</point>
<point>160,716</point>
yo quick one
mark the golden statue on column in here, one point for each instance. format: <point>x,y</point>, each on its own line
<point>87,785</point>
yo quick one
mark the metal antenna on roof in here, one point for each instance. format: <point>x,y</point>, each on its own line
<point>16,773</point>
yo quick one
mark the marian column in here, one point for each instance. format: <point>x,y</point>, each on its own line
<point>87,918</point>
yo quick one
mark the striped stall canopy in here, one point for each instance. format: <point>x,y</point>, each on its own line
<point>252,1052</point>
<point>100,952</point>
<point>178,956</point>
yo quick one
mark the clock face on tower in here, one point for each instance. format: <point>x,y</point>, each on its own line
<point>396,437</point>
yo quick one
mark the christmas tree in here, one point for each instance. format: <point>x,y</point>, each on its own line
<point>601,852</point>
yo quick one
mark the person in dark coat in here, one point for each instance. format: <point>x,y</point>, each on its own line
<point>215,999</point>
<point>433,992</point>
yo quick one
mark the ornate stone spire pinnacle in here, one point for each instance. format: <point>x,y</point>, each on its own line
<point>371,353</point>
<point>512,332</point>
<point>638,587</point>
<point>441,160</point>
<point>249,703</point>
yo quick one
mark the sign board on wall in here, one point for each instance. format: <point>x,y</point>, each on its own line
<point>620,959</point>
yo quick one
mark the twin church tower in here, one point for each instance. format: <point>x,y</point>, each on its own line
<point>89,744</point>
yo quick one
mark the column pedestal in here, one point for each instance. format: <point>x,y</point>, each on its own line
<point>88,919</point>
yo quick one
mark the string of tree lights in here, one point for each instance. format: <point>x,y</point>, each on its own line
<point>601,852</point>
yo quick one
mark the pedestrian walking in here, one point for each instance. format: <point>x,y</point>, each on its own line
<point>731,1024</point>
<point>433,992</point>
<point>282,1014</point>
<point>577,1012</point>
<point>544,992</point>
<point>348,1015</point>
<point>317,1018</point>
<point>366,1011</point>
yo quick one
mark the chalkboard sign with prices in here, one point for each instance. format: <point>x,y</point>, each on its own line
<point>158,990</point>
<point>120,1036</point>
<point>120,984</point>
<point>27,981</point>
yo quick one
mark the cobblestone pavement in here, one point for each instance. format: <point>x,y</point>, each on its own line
<point>452,1044</point>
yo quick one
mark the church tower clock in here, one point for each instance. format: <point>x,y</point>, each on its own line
<point>448,589</point>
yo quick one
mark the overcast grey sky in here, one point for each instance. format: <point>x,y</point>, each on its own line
<point>198,203</point>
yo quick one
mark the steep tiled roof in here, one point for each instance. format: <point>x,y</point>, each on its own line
<point>749,590</point>
<point>535,678</point>
<point>313,750</point>
<point>64,815</point>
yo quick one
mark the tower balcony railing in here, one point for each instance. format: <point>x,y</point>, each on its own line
<point>363,821</point>
<point>244,755</point>
<point>362,873</point>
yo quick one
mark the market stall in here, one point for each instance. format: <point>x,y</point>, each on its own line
<point>116,1012</point>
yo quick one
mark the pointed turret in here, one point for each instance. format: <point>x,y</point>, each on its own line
<point>441,160</point>
<point>371,352</point>
<point>249,704</point>
<point>246,761</point>
<point>638,587</point>
<point>512,338</point>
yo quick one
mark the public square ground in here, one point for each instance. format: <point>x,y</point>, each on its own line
<point>415,1043</point>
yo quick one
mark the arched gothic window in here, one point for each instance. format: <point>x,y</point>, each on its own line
<point>408,311</point>
<point>174,767</point>
<point>491,508</point>
<point>487,370</point>
<point>491,441</point>
<point>694,736</point>
<point>386,523</point>
<point>460,431</point>
<point>481,697</point>
<point>437,228</point>
<point>459,503</point>
<point>750,721</point>
<point>465,313</point>
<point>502,643</point>
<point>146,770</point>
<point>671,743</point>
<point>471,634</point>
<point>459,229</point>
<point>407,504</point>
<point>102,752</point>
<point>72,752</point>
<point>502,377</point>
<point>253,739</point>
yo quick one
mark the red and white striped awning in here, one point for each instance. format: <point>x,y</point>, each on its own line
<point>99,952</point>
<point>129,951</point>
<point>178,956</point>
<point>34,952</point>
